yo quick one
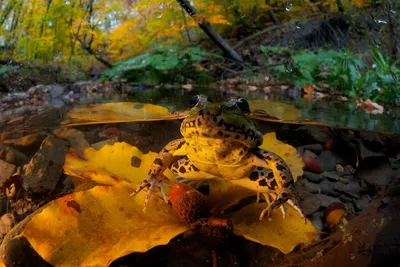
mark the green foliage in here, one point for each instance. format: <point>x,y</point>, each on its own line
<point>341,70</point>
<point>164,64</point>
<point>5,68</point>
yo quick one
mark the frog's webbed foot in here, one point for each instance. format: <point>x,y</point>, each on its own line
<point>152,182</point>
<point>284,196</point>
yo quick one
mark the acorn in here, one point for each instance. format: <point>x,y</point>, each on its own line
<point>214,231</point>
<point>188,205</point>
<point>335,216</point>
<point>192,207</point>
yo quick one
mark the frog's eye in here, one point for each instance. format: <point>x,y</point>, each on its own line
<point>194,101</point>
<point>242,105</point>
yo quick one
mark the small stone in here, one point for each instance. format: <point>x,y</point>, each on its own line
<point>316,148</point>
<point>339,168</point>
<point>327,200</point>
<point>328,160</point>
<point>310,187</point>
<point>331,176</point>
<point>313,177</point>
<point>317,220</point>
<point>308,153</point>
<point>363,202</point>
<point>310,204</point>
<point>6,171</point>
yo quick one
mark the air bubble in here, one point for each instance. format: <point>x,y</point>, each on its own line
<point>158,15</point>
<point>298,25</point>
<point>288,5</point>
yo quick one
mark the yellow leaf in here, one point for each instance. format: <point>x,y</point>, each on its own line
<point>224,194</point>
<point>118,112</point>
<point>112,164</point>
<point>281,233</point>
<point>286,152</point>
<point>97,226</point>
<point>275,109</point>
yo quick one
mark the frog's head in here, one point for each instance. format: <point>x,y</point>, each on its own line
<point>221,121</point>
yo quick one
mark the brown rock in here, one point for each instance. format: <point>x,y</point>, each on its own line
<point>45,168</point>
<point>29,143</point>
<point>6,171</point>
<point>12,155</point>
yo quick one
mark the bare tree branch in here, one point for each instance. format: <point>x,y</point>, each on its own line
<point>206,27</point>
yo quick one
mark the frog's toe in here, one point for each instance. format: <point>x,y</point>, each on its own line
<point>151,183</point>
<point>283,210</point>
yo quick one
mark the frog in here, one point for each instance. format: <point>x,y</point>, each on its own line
<point>220,142</point>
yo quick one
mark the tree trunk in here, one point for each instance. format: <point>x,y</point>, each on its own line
<point>214,36</point>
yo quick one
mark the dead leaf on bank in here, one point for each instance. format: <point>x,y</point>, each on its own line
<point>97,226</point>
<point>371,107</point>
<point>277,110</point>
<point>112,164</point>
<point>118,112</point>
<point>281,233</point>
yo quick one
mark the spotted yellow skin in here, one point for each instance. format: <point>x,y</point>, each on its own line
<point>220,142</point>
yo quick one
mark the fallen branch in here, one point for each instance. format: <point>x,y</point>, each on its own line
<point>206,27</point>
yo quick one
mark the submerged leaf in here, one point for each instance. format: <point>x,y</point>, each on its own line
<point>281,233</point>
<point>97,226</point>
<point>112,164</point>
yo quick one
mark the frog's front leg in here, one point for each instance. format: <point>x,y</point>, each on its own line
<point>155,177</point>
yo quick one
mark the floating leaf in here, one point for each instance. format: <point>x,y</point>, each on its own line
<point>281,111</point>
<point>97,226</point>
<point>112,164</point>
<point>118,112</point>
<point>281,233</point>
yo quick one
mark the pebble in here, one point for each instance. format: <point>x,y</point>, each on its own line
<point>327,200</point>
<point>309,153</point>
<point>317,220</point>
<point>329,160</point>
<point>339,168</point>
<point>313,177</point>
<point>316,148</point>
